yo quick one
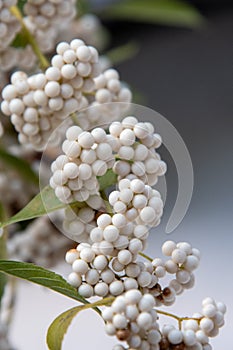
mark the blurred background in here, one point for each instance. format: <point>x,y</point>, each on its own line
<point>185,73</point>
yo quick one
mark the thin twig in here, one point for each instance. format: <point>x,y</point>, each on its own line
<point>145,256</point>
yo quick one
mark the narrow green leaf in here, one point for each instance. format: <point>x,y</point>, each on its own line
<point>3,252</point>
<point>123,53</point>
<point>20,40</point>
<point>46,202</point>
<point>168,12</point>
<point>21,166</point>
<point>21,4</point>
<point>109,179</point>
<point>35,208</point>
<point>41,276</point>
<point>82,7</point>
<point>3,279</point>
<point>60,325</point>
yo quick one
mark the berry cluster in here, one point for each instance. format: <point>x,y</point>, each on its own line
<point>136,207</point>
<point>88,28</point>
<point>111,227</point>
<point>110,102</point>
<point>106,262</point>
<point>99,279</point>
<point>132,318</point>
<point>123,265</point>
<point>87,155</point>
<point>136,143</point>
<point>197,330</point>
<point>23,58</point>
<point>46,18</point>
<point>78,222</point>
<point>137,201</point>
<point>110,91</point>
<point>37,103</point>
<point>184,260</point>
<point>9,25</point>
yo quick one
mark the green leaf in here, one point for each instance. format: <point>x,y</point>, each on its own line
<point>3,255</point>
<point>3,252</point>
<point>22,167</point>
<point>41,276</point>
<point>20,40</point>
<point>123,53</point>
<point>82,7</point>
<point>43,203</point>
<point>46,202</point>
<point>21,4</point>
<point>168,12</point>
<point>109,179</point>
<point>60,325</point>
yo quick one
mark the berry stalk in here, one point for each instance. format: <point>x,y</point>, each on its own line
<point>44,63</point>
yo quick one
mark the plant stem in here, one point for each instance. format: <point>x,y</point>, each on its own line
<point>167,314</point>
<point>117,157</point>
<point>44,63</point>
<point>145,256</point>
<point>179,319</point>
<point>106,202</point>
<point>103,302</point>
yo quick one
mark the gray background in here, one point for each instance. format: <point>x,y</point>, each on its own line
<point>186,76</point>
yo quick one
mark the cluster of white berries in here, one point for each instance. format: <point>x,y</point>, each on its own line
<point>106,261</point>
<point>45,19</point>
<point>40,243</point>
<point>23,58</point>
<point>115,235</point>
<point>88,28</point>
<point>184,260</point>
<point>91,274</point>
<point>11,57</point>
<point>110,101</point>
<point>121,271</point>
<point>78,222</point>
<point>132,319</point>
<point>112,97</point>
<point>94,151</point>
<point>137,201</point>
<point>109,88</point>
<point>9,24</point>
<point>197,330</point>
<point>136,143</point>
<point>37,103</point>
<point>135,206</point>
<point>125,270</point>
<point>87,155</point>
